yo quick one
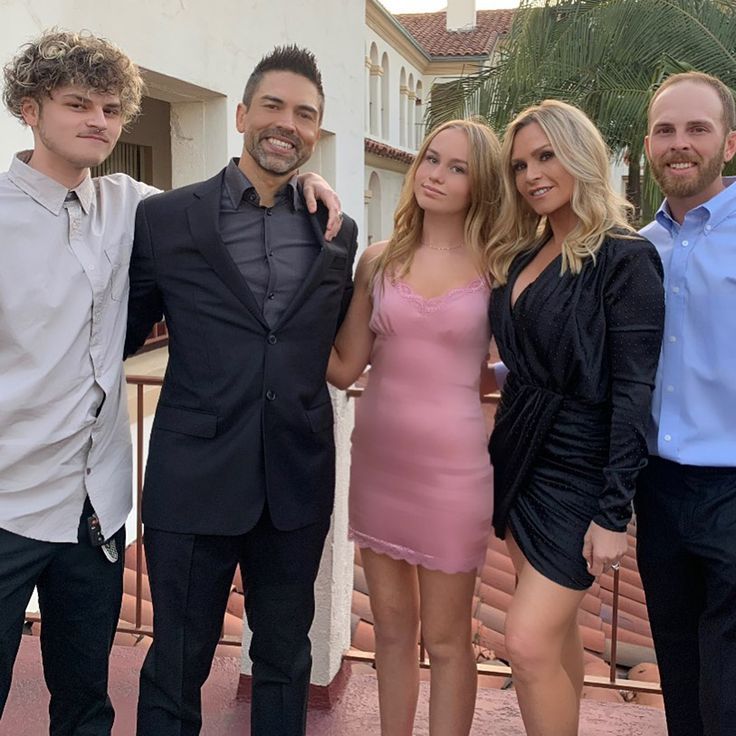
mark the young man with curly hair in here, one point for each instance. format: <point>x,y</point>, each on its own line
<point>65,456</point>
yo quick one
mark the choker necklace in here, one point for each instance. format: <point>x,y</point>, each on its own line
<point>442,247</point>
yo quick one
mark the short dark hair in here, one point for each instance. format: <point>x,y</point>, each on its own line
<point>289,58</point>
<point>722,90</point>
<point>58,58</point>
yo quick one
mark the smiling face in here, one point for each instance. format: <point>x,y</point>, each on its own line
<point>73,129</point>
<point>442,181</point>
<point>540,178</point>
<point>687,143</point>
<point>281,125</point>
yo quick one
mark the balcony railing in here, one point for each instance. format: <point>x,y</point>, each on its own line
<point>612,681</point>
<point>137,627</point>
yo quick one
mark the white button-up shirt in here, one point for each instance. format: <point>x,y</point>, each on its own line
<point>64,427</point>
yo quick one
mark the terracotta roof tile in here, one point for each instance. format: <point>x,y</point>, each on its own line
<point>386,151</point>
<point>429,30</point>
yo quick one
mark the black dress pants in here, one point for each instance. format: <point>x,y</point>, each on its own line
<point>686,548</point>
<point>79,593</point>
<point>191,576</point>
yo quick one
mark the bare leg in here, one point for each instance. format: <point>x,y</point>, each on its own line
<point>446,616</point>
<point>543,643</point>
<point>394,593</point>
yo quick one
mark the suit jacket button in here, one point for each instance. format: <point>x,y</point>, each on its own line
<point>270,395</point>
<point>272,339</point>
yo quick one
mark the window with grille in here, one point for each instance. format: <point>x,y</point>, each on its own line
<point>127,158</point>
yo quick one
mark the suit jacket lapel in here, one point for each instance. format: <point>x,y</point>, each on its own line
<point>202,215</point>
<point>316,273</point>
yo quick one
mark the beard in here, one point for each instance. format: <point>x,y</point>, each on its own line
<point>278,164</point>
<point>675,186</point>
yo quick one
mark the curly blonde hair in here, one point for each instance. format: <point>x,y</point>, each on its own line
<point>484,152</point>
<point>579,146</point>
<point>59,58</point>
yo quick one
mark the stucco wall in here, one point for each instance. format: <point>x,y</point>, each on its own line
<point>211,47</point>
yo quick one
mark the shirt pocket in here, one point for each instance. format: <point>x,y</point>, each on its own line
<point>118,271</point>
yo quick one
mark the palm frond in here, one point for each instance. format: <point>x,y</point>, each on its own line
<point>606,56</point>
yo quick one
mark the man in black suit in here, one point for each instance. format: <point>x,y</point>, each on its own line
<point>241,461</point>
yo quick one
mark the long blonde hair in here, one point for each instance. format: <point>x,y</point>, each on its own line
<point>484,155</point>
<point>579,146</point>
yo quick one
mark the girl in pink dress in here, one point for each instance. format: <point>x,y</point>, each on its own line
<point>421,486</point>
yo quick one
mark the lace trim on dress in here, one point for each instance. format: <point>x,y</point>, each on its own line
<point>397,552</point>
<point>432,304</point>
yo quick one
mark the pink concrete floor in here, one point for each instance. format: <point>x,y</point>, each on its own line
<point>355,715</point>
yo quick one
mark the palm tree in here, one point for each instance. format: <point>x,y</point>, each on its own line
<point>606,56</point>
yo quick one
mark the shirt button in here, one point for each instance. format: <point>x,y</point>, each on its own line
<point>673,338</point>
<point>676,289</point>
<point>685,243</point>
<point>670,388</point>
<point>272,340</point>
<point>268,211</point>
<point>272,295</point>
<point>89,470</point>
<point>270,395</point>
<point>91,267</point>
<point>667,437</point>
<point>708,228</point>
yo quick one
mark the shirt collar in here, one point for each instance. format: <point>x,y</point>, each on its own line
<point>712,212</point>
<point>238,184</point>
<point>45,190</point>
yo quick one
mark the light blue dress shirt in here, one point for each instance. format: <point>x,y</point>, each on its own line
<point>694,402</point>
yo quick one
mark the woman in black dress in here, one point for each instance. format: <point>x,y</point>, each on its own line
<point>577,314</point>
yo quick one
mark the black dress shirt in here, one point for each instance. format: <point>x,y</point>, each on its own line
<point>273,247</point>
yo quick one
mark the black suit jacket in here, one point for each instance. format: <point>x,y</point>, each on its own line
<point>244,414</point>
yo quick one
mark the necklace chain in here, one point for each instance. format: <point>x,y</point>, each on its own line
<point>442,247</point>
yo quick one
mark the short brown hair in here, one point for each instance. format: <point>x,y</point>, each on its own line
<point>725,95</point>
<point>58,58</point>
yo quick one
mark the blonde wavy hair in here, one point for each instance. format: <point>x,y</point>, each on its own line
<point>59,58</point>
<point>484,155</point>
<point>579,146</point>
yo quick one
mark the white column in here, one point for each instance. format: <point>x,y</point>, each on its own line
<point>367,95</point>
<point>404,96</point>
<point>330,633</point>
<point>411,138</point>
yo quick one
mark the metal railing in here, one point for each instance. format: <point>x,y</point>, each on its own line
<point>612,681</point>
<point>137,627</point>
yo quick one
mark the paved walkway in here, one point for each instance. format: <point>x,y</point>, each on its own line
<point>355,715</point>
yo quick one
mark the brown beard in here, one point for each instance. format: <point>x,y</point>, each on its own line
<point>708,171</point>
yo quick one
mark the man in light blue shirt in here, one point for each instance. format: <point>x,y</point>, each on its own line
<point>686,500</point>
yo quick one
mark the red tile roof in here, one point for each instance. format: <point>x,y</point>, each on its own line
<point>429,30</point>
<point>386,151</point>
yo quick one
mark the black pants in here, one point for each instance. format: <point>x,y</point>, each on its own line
<point>686,547</point>
<point>79,593</point>
<point>190,578</point>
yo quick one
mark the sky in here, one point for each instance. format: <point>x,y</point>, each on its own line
<point>426,6</point>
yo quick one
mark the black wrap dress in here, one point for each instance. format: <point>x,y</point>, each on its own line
<point>570,431</point>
